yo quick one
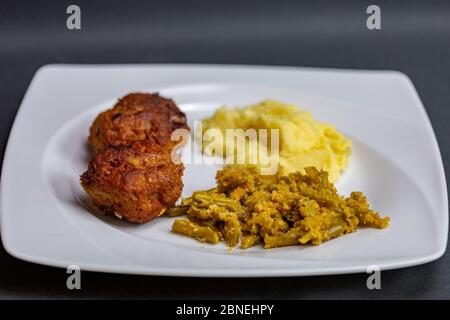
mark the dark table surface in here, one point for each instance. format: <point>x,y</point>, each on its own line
<point>414,39</point>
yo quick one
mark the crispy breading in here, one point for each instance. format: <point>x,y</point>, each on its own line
<point>136,117</point>
<point>136,182</point>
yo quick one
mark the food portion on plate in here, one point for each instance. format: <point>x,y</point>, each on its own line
<point>135,174</point>
<point>136,182</point>
<point>137,117</point>
<point>303,141</point>
<point>247,208</point>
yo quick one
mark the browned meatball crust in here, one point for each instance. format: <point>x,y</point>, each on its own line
<point>136,117</point>
<point>137,182</point>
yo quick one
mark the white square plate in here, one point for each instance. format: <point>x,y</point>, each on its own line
<point>46,217</point>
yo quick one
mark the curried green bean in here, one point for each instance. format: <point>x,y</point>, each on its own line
<point>246,209</point>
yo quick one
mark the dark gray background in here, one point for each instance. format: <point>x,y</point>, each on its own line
<point>415,39</point>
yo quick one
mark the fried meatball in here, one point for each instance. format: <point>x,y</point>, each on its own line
<point>136,182</point>
<point>136,117</point>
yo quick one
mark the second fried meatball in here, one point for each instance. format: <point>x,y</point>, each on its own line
<point>136,117</point>
<point>136,182</point>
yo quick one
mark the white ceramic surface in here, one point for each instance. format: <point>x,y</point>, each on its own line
<point>46,217</point>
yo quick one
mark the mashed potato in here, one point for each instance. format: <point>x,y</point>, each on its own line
<point>303,141</point>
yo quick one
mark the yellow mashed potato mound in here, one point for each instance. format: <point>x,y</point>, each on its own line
<point>303,141</point>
